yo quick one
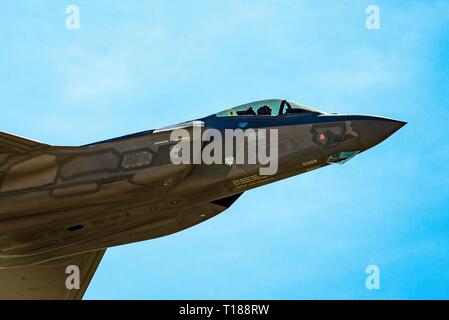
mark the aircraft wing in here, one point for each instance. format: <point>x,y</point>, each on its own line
<point>16,145</point>
<point>47,281</point>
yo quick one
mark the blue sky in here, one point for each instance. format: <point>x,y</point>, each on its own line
<point>137,65</point>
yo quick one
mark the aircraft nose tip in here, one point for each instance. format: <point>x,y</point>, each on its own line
<point>377,129</point>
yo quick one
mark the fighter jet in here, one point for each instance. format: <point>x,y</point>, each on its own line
<point>61,207</point>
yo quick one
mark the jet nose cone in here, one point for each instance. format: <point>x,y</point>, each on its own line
<point>376,129</point>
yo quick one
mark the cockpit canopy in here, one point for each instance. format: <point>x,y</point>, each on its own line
<point>274,107</point>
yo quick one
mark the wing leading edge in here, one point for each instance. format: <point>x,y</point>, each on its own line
<point>13,144</point>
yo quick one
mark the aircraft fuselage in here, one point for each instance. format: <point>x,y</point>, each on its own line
<point>57,201</point>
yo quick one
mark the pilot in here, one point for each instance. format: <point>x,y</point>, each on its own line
<point>264,111</point>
